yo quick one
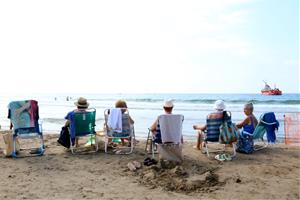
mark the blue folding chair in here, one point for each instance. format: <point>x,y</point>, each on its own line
<point>24,116</point>
<point>267,124</point>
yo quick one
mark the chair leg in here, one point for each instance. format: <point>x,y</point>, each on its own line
<point>71,146</point>
<point>132,144</point>
<point>152,148</point>
<point>234,150</point>
<point>105,144</point>
<point>14,153</point>
<point>96,143</point>
<point>147,141</point>
<point>206,148</point>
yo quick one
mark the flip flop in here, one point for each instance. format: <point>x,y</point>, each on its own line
<point>227,157</point>
<point>220,157</point>
<point>150,161</point>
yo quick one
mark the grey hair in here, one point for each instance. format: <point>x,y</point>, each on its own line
<point>249,105</point>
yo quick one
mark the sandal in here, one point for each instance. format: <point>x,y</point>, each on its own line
<point>227,157</point>
<point>150,161</point>
<point>220,157</point>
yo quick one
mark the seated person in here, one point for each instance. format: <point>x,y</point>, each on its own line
<point>155,129</point>
<point>122,104</point>
<point>250,122</point>
<point>219,107</point>
<point>82,105</point>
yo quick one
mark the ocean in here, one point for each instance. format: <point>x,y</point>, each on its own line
<point>144,108</point>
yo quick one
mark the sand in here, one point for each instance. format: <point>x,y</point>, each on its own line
<point>272,173</point>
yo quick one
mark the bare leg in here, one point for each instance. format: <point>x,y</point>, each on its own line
<point>199,140</point>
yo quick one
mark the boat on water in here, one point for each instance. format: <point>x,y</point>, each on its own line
<point>267,90</point>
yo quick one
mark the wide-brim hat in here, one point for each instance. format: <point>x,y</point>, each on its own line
<point>82,103</point>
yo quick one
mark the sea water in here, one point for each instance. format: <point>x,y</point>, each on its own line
<point>144,108</point>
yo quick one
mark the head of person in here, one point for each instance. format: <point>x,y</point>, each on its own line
<point>121,104</point>
<point>168,106</point>
<point>82,103</point>
<point>248,108</point>
<point>219,105</point>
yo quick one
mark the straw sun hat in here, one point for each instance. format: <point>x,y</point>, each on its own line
<point>82,103</point>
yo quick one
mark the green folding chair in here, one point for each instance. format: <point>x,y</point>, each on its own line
<point>83,124</point>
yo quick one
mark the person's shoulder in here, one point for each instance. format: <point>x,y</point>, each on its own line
<point>215,115</point>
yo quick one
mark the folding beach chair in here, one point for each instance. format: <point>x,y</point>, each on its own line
<point>212,132</point>
<point>24,116</point>
<point>126,131</point>
<point>267,124</point>
<point>82,123</point>
<point>171,137</point>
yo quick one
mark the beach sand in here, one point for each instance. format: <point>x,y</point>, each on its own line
<point>272,173</point>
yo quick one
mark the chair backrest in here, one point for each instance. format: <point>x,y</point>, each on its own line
<point>84,122</point>
<point>24,116</point>
<point>213,127</point>
<point>267,123</point>
<point>126,126</point>
<point>171,128</point>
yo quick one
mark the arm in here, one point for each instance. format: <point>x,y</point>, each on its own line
<point>153,127</point>
<point>243,123</point>
<point>131,120</point>
<point>67,123</point>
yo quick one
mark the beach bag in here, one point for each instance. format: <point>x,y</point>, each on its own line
<point>245,144</point>
<point>9,146</point>
<point>64,137</point>
<point>229,133</point>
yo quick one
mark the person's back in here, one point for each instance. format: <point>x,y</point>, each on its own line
<point>213,122</point>
<point>155,127</point>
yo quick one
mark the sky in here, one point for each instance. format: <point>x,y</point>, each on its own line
<point>158,46</point>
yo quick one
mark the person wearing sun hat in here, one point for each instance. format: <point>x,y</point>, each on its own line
<point>155,129</point>
<point>219,107</point>
<point>81,104</point>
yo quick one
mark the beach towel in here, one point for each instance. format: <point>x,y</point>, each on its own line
<point>271,125</point>
<point>23,114</point>
<point>114,121</point>
<point>171,128</point>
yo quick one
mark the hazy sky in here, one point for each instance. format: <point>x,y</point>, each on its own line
<point>149,46</point>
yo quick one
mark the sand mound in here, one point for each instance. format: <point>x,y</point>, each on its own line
<point>190,176</point>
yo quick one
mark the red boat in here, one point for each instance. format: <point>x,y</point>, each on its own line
<point>267,90</point>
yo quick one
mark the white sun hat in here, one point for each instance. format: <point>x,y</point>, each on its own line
<point>219,105</point>
<point>168,103</point>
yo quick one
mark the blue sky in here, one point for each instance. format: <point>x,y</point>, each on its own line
<point>221,46</point>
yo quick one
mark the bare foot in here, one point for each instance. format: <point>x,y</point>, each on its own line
<point>197,148</point>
